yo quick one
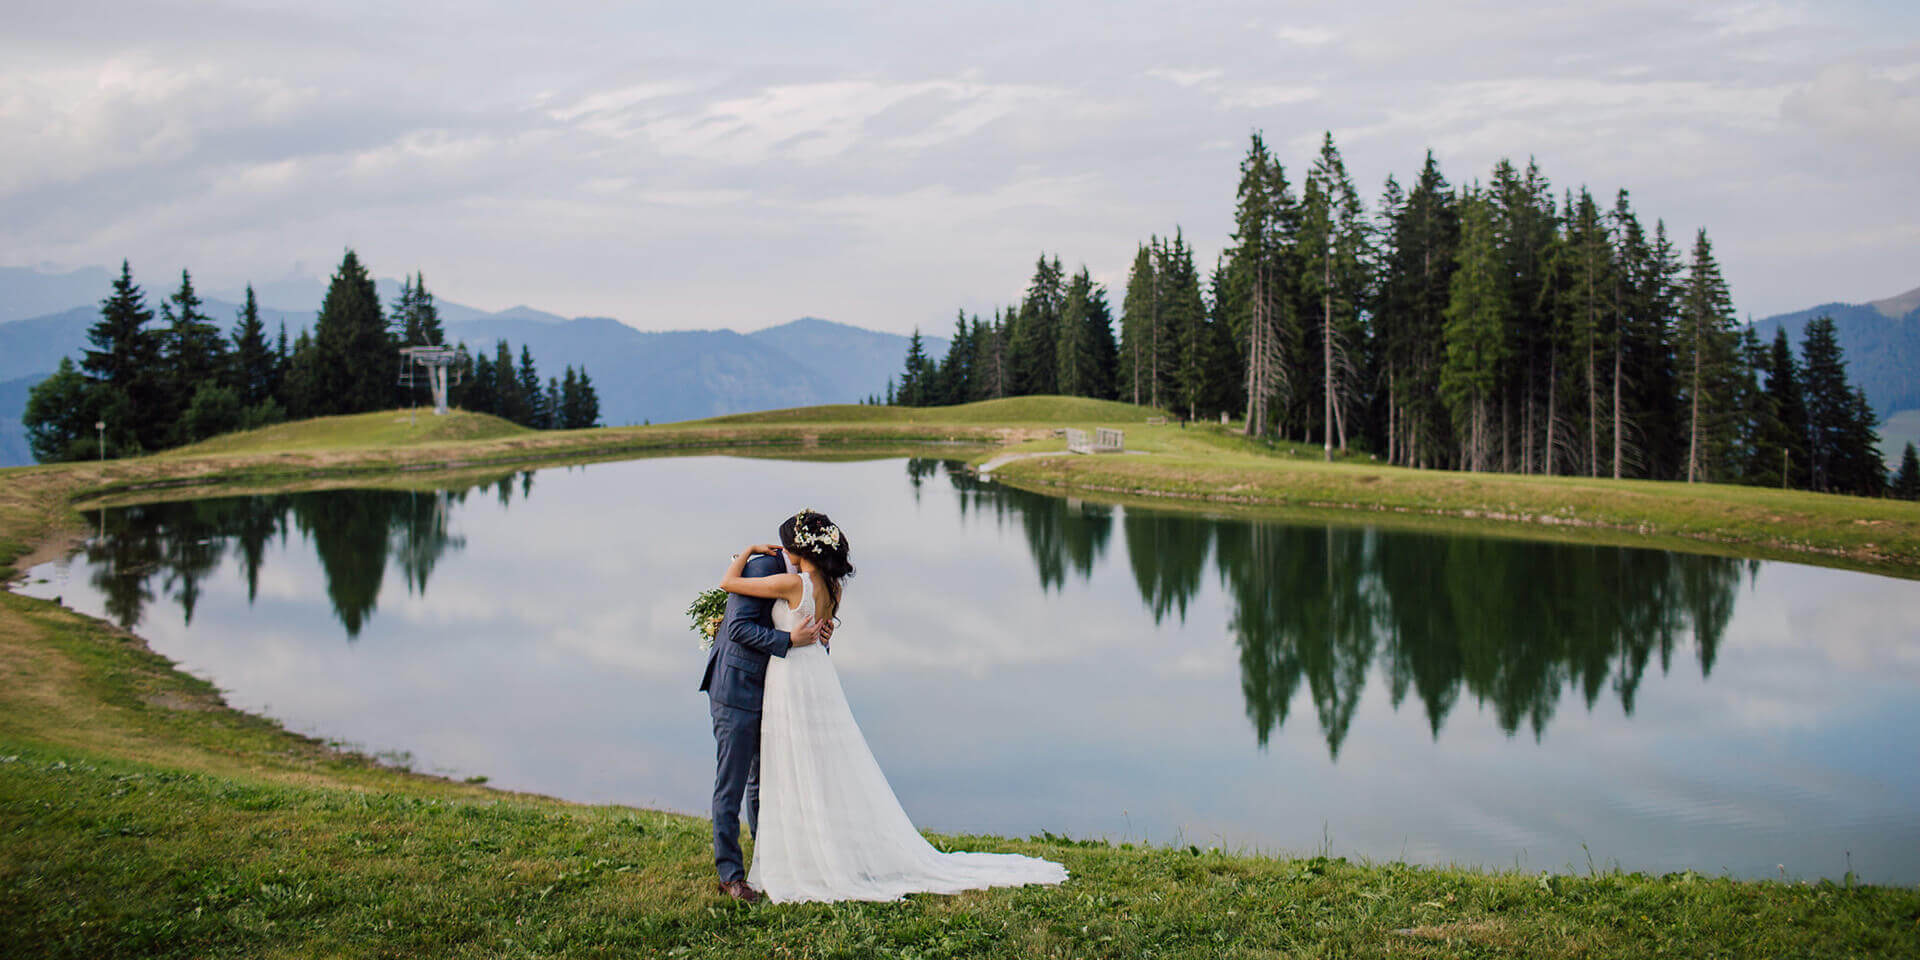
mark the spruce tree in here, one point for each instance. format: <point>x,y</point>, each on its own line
<point>1707,358</point>
<point>533,398</point>
<point>1333,255</point>
<point>254,370</point>
<point>1262,314</point>
<point>1189,337</point>
<point>416,320</point>
<point>1906,483</point>
<point>1476,333</point>
<point>193,354</point>
<point>301,389</point>
<point>1829,404</point>
<point>1085,348</point>
<point>1138,330</point>
<point>122,366</point>
<point>589,410</point>
<point>358,360</point>
<point>1036,331</point>
<point>913,378</point>
<point>1790,413</point>
<point>1414,293</point>
<point>510,403</point>
<point>956,371</point>
<point>550,407</point>
<point>482,394</point>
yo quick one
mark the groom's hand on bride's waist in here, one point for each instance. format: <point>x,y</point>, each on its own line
<point>812,631</point>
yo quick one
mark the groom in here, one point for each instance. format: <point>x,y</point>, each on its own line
<point>735,679</point>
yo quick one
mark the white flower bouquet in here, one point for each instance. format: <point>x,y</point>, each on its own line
<point>705,612</point>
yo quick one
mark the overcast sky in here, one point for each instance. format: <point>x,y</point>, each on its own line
<point>704,165</point>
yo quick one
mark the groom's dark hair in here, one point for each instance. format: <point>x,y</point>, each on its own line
<point>813,535</point>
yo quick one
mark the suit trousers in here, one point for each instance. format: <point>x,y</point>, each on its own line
<point>736,737</point>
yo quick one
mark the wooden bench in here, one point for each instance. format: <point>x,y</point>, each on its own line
<point>1103,440</point>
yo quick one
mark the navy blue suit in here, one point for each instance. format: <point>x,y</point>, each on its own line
<point>735,683</point>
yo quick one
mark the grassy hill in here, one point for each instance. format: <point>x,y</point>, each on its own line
<point>385,428</point>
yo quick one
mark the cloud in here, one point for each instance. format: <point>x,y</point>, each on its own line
<point>1305,36</point>
<point>1876,110</point>
<point>882,168</point>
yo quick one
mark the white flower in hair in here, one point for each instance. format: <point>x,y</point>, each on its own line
<point>829,536</point>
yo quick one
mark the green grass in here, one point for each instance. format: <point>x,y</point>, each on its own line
<point>386,428</point>
<point>1212,465</point>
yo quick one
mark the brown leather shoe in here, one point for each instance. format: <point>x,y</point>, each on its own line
<point>739,890</point>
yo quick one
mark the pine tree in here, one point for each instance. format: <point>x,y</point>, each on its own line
<point>1829,404</point>
<point>301,391</point>
<point>1475,332</point>
<point>1414,293</point>
<point>1263,313</point>
<point>1036,332</point>
<point>1790,414</point>
<point>193,353</point>
<point>255,370</point>
<point>482,393</point>
<point>1085,351</point>
<point>1707,357</point>
<point>913,378</point>
<point>1906,483</point>
<point>123,370</point>
<point>533,399</point>
<point>550,407</point>
<point>1139,330</point>
<point>956,371</point>
<point>1333,253</point>
<point>589,401</point>
<point>1188,340</point>
<point>1525,221</point>
<point>416,321</point>
<point>358,363</point>
<point>510,403</point>
<point>1589,332</point>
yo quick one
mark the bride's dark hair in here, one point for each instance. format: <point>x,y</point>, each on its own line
<point>813,535</point>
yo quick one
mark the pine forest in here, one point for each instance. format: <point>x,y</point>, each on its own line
<point>1493,326</point>
<point>155,385</point>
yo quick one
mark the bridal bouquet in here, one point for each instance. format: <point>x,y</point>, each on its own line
<point>705,611</point>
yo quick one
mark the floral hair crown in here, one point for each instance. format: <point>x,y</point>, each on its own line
<point>827,536</point>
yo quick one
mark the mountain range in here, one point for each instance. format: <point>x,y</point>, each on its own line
<point>641,376</point>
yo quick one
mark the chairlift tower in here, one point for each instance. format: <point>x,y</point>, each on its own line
<point>435,362</point>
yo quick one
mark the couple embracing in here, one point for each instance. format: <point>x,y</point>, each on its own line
<point>826,826</point>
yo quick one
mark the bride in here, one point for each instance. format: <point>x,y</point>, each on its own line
<point>830,827</point>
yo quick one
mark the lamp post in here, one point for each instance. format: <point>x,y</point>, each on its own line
<point>100,427</point>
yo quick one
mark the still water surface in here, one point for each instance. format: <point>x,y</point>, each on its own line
<point>1022,663</point>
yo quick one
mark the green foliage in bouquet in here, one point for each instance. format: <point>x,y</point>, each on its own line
<point>705,612</point>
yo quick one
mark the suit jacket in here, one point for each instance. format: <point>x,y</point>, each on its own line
<point>737,665</point>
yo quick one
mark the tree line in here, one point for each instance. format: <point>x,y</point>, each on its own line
<point>181,380</point>
<point>1499,326</point>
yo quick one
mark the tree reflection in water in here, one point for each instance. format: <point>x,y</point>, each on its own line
<point>1513,624</point>
<point>354,533</point>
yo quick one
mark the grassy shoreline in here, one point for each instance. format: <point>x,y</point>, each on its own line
<point>140,816</point>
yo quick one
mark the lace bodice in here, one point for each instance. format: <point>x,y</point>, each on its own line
<point>786,617</point>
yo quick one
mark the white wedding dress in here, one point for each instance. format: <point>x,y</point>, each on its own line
<point>830,826</point>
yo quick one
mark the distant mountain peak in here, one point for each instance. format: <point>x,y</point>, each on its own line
<point>524,312</point>
<point>1893,308</point>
